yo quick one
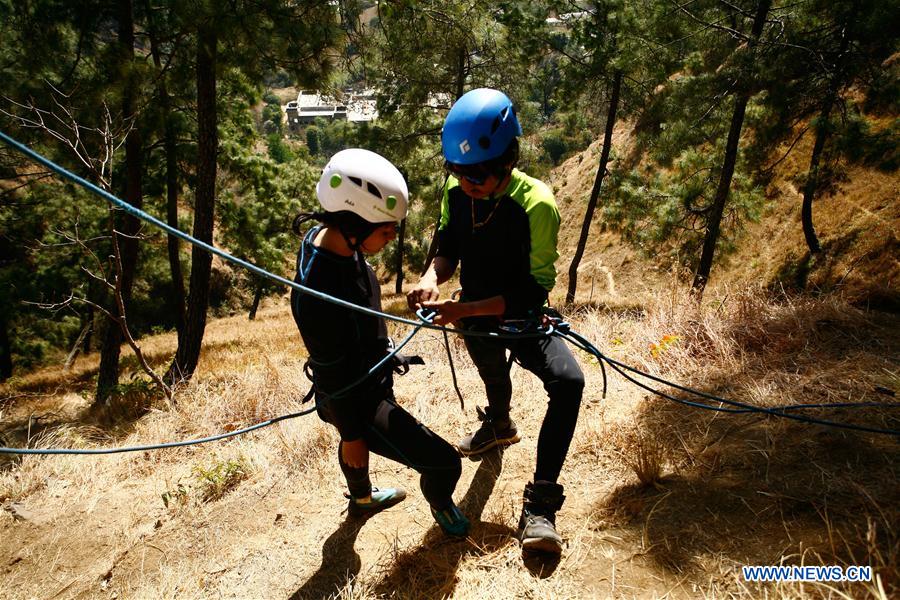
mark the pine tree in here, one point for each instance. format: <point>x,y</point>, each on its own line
<point>284,35</point>
<point>745,88</point>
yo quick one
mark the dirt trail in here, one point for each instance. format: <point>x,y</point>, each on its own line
<point>287,535</point>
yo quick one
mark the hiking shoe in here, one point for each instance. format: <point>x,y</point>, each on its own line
<point>379,500</point>
<point>492,433</point>
<point>537,525</point>
<point>539,535</point>
<point>452,521</point>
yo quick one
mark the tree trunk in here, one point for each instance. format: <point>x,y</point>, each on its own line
<point>398,288</point>
<point>129,226</point>
<point>188,354</point>
<point>460,72</point>
<point>432,247</point>
<point>170,149</point>
<point>89,323</point>
<point>812,181</point>
<point>731,150</point>
<point>76,347</point>
<point>822,131</point>
<point>595,191</point>
<point>173,247</point>
<point>257,297</point>
<point>6,364</point>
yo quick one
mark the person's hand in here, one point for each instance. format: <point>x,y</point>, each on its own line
<point>425,291</point>
<point>447,311</point>
<point>355,454</point>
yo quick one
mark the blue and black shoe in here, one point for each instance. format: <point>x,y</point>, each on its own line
<point>452,521</point>
<point>379,500</point>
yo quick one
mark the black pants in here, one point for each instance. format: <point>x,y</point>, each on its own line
<point>397,435</point>
<point>552,361</point>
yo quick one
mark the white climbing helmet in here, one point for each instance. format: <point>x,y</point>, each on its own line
<point>364,183</point>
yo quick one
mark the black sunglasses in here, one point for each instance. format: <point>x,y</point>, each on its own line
<point>474,174</point>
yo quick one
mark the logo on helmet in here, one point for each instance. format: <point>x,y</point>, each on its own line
<point>464,146</point>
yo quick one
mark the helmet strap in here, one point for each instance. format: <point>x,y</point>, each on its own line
<point>354,246</point>
<point>502,179</point>
<point>364,273</point>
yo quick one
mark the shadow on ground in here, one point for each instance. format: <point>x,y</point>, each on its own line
<point>429,570</point>
<point>760,490</point>
<point>340,562</point>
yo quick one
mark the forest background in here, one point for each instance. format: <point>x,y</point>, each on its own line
<point>179,111</point>
<point>727,176</point>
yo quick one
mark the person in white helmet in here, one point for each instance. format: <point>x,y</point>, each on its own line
<point>363,198</point>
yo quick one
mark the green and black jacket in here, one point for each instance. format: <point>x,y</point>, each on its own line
<point>504,246</point>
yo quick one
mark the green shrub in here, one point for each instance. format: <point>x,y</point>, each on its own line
<point>221,478</point>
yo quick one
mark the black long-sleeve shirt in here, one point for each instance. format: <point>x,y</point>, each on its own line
<point>505,246</point>
<point>343,344</point>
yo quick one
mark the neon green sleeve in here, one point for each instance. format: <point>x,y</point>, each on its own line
<point>447,246</point>
<point>445,202</point>
<point>543,220</point>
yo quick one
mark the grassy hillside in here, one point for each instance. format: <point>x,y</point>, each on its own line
<point>662,500</point>
<point>857,223</point>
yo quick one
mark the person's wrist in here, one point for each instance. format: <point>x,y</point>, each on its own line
<point>464,309</point>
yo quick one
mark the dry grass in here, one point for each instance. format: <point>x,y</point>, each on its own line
<point>662,500</point>
<point>643,453</point>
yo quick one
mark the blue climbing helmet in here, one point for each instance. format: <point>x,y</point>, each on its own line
<point>479,127</point>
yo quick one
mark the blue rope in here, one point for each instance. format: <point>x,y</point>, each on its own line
<point>213,438</point>
<point>561,330</point>
<point>739,407</point>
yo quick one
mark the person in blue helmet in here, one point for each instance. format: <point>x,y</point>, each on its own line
<point>499,227</point>
<point>363,197</point>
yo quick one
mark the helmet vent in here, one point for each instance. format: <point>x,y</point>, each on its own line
<point>485,142</point>
<point>356,180</point>
<point>373,190</point>
<point>496,123</point>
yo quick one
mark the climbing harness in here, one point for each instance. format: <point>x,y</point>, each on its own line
<point>542,326</point>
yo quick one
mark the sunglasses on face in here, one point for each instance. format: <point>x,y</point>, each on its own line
<point>474,174</point>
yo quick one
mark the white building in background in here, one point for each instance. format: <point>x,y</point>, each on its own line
<point>359,107</point>
<point>565,21</point>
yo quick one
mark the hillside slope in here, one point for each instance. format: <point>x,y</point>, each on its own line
<point>663,500</point>
<point>858,224</point>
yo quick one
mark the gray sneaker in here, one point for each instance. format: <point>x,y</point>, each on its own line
<point>492,433</point>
